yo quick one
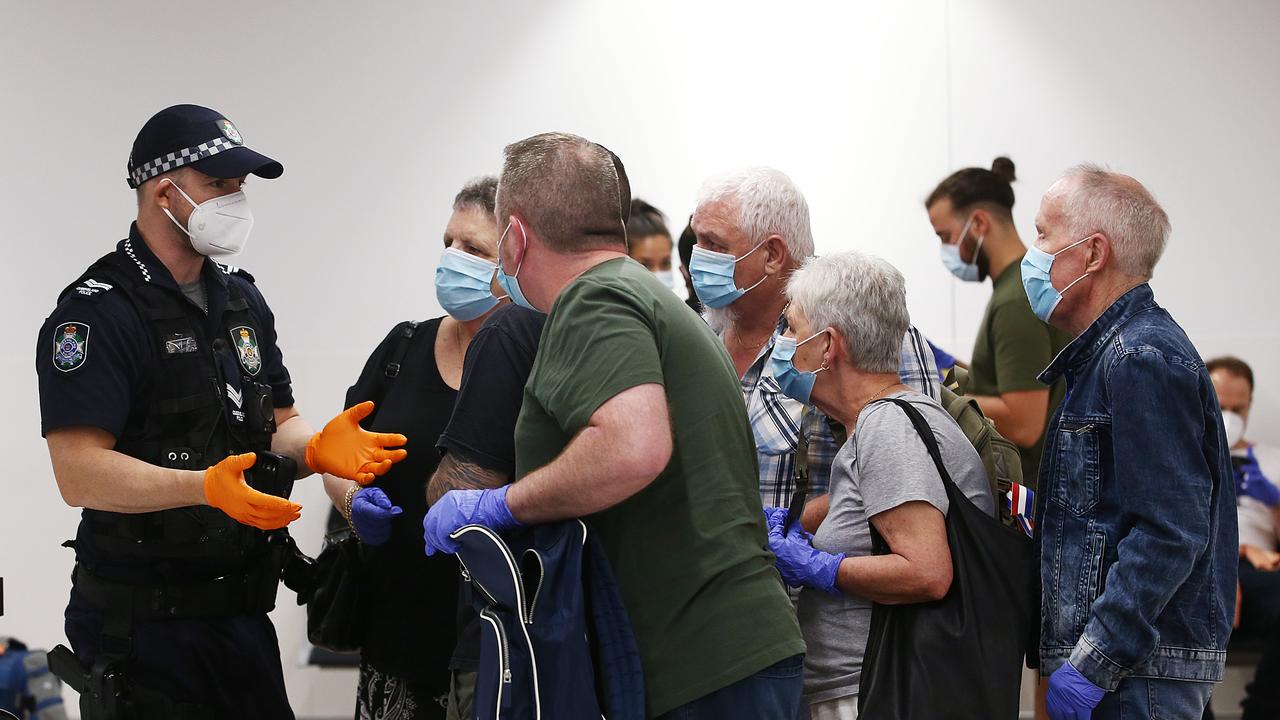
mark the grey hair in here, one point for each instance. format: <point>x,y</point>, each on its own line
<point>862,296</point>
<point>571,190</point>
<point>767,203</point>
<point>1101,201</point>
<point>480,193</point>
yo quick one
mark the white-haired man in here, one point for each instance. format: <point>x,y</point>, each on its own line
<point>753,231</point>
<point>1137,512</point>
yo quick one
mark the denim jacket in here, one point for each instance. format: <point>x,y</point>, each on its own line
<point>1137,531</point>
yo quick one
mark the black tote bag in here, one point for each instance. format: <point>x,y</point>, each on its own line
<point>335,615</point>
<point>960,657</point>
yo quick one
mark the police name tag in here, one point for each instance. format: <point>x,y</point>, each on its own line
<point>179,344</point>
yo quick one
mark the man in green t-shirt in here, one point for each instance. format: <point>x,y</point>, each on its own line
<point>972,213</point>
<point>632,419</point>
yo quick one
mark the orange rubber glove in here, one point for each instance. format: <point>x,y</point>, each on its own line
<point>345,449</point>
<point>225,489</point>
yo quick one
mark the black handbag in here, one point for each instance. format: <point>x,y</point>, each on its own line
<point>961,656</point>
<point>335,615</point>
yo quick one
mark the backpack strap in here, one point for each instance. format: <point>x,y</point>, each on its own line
<point>800,471</point>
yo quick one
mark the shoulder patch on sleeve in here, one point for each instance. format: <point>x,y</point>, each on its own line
<point>70,345</point>
<point>89,289</point>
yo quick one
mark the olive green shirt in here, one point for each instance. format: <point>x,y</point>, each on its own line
<point>1012,348</point>
<point>689,551</point>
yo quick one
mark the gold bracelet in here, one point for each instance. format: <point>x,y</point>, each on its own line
<point>346,503</point>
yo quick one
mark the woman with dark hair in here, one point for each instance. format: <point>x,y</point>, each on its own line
<point>411,603</point>
<point>649,242</point>
<point>972,213</point>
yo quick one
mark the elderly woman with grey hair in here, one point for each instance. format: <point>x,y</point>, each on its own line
<point>847,316</point>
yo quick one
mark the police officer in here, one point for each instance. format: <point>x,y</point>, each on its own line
<point>165,402</point>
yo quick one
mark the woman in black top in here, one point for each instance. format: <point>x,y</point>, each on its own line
<point>413,376</point>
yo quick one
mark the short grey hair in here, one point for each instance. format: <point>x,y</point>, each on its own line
<point>862,296</point>
<point>480,193</point>
<point>767,203</point>
<point>571,190</point>
<point>1116,205</point>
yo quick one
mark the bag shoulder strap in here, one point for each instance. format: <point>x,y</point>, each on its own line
<point>395,358</point>
<point>926,435</point>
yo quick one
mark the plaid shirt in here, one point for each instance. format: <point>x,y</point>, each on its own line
<point>776,419</point>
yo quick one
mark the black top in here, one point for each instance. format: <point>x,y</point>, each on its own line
<point>483,426</point>
<point>101,383</point>
<point>482,429</point>
<point>413,598</point>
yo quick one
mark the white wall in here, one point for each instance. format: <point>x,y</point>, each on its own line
<point>380,112</point>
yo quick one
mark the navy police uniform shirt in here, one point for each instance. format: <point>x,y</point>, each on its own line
<point>95,355</point>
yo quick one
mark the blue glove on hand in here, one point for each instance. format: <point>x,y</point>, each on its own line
<point>371,513</point>
<point>774,516</point>
<point>798,561</point>
<point>1071,696</point>
<point>465,507</point>
<point>1250,482</point>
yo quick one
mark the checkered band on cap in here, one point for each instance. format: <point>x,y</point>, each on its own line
<point>177,159</point>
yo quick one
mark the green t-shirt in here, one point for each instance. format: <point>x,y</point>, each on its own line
<point>689,551</point>
<point>1012,348</point>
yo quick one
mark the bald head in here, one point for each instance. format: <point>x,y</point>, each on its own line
<point>1090,199</point>
<point>571,191</point>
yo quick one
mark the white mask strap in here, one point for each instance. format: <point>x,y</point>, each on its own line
<point>757,247</point>
<point>185,196</point>
<point>1071,246</point>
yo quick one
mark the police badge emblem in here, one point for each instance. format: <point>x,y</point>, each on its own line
<point>230,131</point>
<point>246,342</point>
<point>70,346</point>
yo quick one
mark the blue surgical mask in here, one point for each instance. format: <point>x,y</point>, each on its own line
<point>510,285</point>
<point>793,383</point>
<point>712,274</point>
<point>463,285</point>
<point>966,271</point>
<point>1044,298</point>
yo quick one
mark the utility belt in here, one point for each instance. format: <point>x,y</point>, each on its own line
<point>249,593</point>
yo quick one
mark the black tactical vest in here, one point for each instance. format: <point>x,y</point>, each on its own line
<point>204,402</point>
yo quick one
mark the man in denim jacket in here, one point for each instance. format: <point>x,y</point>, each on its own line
<point>1137,504</point>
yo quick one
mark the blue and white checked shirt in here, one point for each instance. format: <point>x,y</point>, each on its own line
<point>776,419</point>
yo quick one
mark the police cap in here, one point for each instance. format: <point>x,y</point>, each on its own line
<point>194,136</point>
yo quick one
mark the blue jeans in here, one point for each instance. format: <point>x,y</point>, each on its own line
<point>1155,699</point>
<point>772,693</point>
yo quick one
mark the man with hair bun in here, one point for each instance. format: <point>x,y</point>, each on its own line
<point>972,213</point>
<point>1136,509</point>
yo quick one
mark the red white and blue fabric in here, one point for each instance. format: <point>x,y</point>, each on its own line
<point>1022,506</point>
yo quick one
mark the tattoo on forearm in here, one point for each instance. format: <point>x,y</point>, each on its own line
<point>456,474</point>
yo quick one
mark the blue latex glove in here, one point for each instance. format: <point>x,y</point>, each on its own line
<point>799,562</point>
<point>1071,696</point>
<point>465,507</point>
<point>371,514</point>
<point>774,516</point>
<point>1250,482</point>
